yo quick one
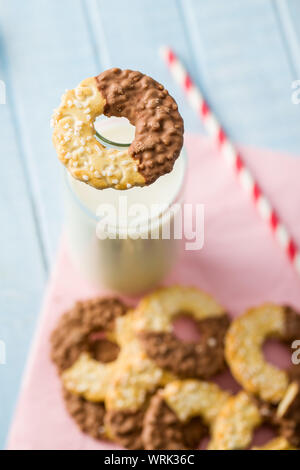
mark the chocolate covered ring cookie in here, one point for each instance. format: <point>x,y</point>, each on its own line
<point>88,416</point>
<point>180,414</point>
<point>184,359</point>
<point>136,378</point>
<point>122,93</point>
<point>244,354</point>
<point>235,425</point>
<point>75,344</point>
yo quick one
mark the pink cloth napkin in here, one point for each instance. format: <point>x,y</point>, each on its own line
<point>240,264</point>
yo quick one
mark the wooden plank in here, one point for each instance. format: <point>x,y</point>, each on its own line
<point>22,271</point>
<point>129,34</point>
<point>48,51</point>
<point>243,67</point>
<point>289,13</point>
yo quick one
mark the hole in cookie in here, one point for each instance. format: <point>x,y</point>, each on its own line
<point>277,353</point>
<point>185,328</point>
<point>114,131</point>
<point>204,443</point>
<point>102,349</point>
<point>195,433</point>
<point>262,435</point>
<point>226,381</point>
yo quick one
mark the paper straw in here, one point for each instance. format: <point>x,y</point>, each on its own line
<point>232,156</point>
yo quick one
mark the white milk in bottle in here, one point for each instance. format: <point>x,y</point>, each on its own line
<point>105,255</point>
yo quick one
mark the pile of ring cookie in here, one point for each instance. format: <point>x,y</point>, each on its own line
<point>128,378</point>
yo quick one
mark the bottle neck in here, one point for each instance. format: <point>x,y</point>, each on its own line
<point>114,133</point>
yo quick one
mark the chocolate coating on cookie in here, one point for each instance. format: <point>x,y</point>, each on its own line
<point>163,430</point>
<point>181,413</point>
<point>292,325</point>
<point>71,338</point>
<point>200,360</point>
<point>88,416</point>
<point>72,334</point>
<point>154,113</point>
<point>126,427</point>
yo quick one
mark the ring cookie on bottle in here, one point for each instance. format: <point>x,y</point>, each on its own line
<point>235,425</point>
<point>243,349</point>
<point>78,349</point>
<point>136,378</point>
<point>154,325</point>
<point>181,414</point>
<point>121,93</point>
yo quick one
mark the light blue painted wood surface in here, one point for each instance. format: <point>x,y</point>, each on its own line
<point>244,55</point>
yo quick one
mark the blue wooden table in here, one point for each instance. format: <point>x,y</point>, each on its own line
<point>244,54</point>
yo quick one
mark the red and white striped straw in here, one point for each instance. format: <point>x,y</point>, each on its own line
<point>232,156</point>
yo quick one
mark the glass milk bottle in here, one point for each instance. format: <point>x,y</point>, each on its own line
<point>134,249</point>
